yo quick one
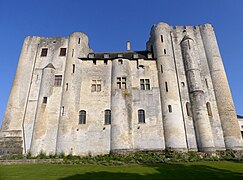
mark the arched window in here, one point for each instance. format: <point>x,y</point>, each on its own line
<point>82,117</point>
<point>170,108</point>
<point>209,109</point>
<point>188,109</point>
<point>141,116</point>
<point>107,116</point>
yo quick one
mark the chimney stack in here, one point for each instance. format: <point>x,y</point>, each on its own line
<point>128,46</point>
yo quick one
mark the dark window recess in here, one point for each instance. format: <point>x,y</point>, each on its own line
<point>105,61</point>
<point>170,108</point>
<point>79,40</point>
<point>44,100</point>
<point>189,46</point>
<point>120,61</point>
<point>161,68</point>
<point>166,86</point>
<point>73,68</point>
<point>66,86</point>
<point>209,109</point>
<point>72,52</point>
<point>141,116</point>
<point>44,52</point>
<point>107,116</point>
<point>121,83</point>
<point>58,80</point>
<point>82,117</point>
<point>188,109</point>
<point>62,110</point>
<point>182,84</point>
<point>206,81</point>
<point>94,62</point>
<point>162,39</point>
<point>164,51</point>
<point>63,52</point>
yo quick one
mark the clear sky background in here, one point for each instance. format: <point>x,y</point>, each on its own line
<point>110,23</point>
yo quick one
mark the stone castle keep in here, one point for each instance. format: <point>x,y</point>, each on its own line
<point>174,95</point>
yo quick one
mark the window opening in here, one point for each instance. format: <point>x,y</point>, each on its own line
<point>144,84</point>
<point>63,52</point>
<point>188,109</point>
<point>209,109</point>
<point>79,40</point>
<point>121,83</point>
<point>44,100</point>
<point>58,80</point>
<point>141,116</point>
<point>107,116</point>
<point>164,51</point>
<point>96,86</point>
<point>166,87</point>
<point>73,68</point>
<point>162,39</point>
<point>82,117</point>
<point>44,52</point>
<point>170,108</point>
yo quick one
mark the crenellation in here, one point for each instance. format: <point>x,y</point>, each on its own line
<point>173,95</point>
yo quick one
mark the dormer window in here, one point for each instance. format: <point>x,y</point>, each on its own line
<point>150,56</point>
<point>135,56</point>
<point>106,56</point>
<point>120,55</point>
<point>91,55</point>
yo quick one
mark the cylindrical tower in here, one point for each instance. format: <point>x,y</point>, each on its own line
<point>174,130</point>
<point>196,94</point>
<point>40,124</point>
<point>231,131</point>
<point>121,106</point>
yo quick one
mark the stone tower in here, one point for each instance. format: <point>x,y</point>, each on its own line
<point>173,95</point>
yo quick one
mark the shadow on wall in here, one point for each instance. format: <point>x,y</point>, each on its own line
<point>165,171</point>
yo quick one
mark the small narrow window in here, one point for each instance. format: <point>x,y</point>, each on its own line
<point>105,61</point>
<point>182,84</point>
<point>79,40</point>
<point>120,61</point>
<point>170,108</point>
<point>107,116</point>
<point>188,109</point>
<point>161,68</point>
<point>72,52</point>
<point>44,100</point>
<point>82,117</point>
<point>106,56</point>
<point>44,52</point>
<point>66,86</point>
<point>121,83</point>
<point>209,109</point>
<point>124,85</point>
<point>73,68</point>
<point>141,116</point>
<point>164,51</point>
<point>147,84</point>
<point>166,87</point>
<point>162,39</point>
<point>63,52</point>
<point>94,62</point>
<point>206,82</point>
<point>62,110</point>
<point>188,44</point>
<point>142,85</point>
<point>58,80</point>
<point>98,85</point>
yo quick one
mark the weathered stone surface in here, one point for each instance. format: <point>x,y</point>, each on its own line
<point>179,83</point>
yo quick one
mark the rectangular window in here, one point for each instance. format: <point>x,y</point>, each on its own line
<point>141,116</point>
<point>107,116</point>
<point>166,87</point>
<point>120,61</point>
<point>58,80</point>
<point>79,40</point>
<point>164,51</point>
<point>82,117</point>
<point>121,83</point>
<point>105,61</point>
<point>94,62</point>
<point>66,86</point>
<point>144,84</point>
<point>162,39</point>
<point>63,52</point>
<point>170,108</point>
<point>96,86</point>
<point>73,68</point>
<point>44,100</point>
<point>44,52</point>
<point>161,68</point>
<point>206,81</point>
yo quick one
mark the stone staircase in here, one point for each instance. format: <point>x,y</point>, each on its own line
<point>11,143</point>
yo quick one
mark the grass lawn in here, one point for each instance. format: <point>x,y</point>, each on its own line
<point>195,170</point>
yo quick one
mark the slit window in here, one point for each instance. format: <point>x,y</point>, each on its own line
<point>121,83</point>
<point>189,46</point>
<point>73,68</point>
<point>141,116</point>
<point>82,117</point>
<point>188,109</point>
<point>161,68</point>
<point>209,109</point>
<point>44,52</point>
<point>164,51</point>
<point>162,38</point>
<point>66,86</point>
<point>107,116</point>
<point>166,86</point>
<point>170,108</point>
<point>79,40</point>
<point>63,51</point>
<point>206,82</point>
<point>58,80</point>
<point>44,100</point>
<point>72,52</point>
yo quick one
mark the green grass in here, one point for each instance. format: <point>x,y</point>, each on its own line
<point>193,170</point>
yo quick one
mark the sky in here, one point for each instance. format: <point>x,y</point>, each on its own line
<point>110,23</point>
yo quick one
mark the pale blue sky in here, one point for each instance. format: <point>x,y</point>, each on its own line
<point>110,23</point>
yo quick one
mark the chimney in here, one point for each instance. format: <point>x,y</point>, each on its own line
<point>128,46</point>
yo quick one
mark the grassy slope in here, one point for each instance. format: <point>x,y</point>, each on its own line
<point>196,170</point>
